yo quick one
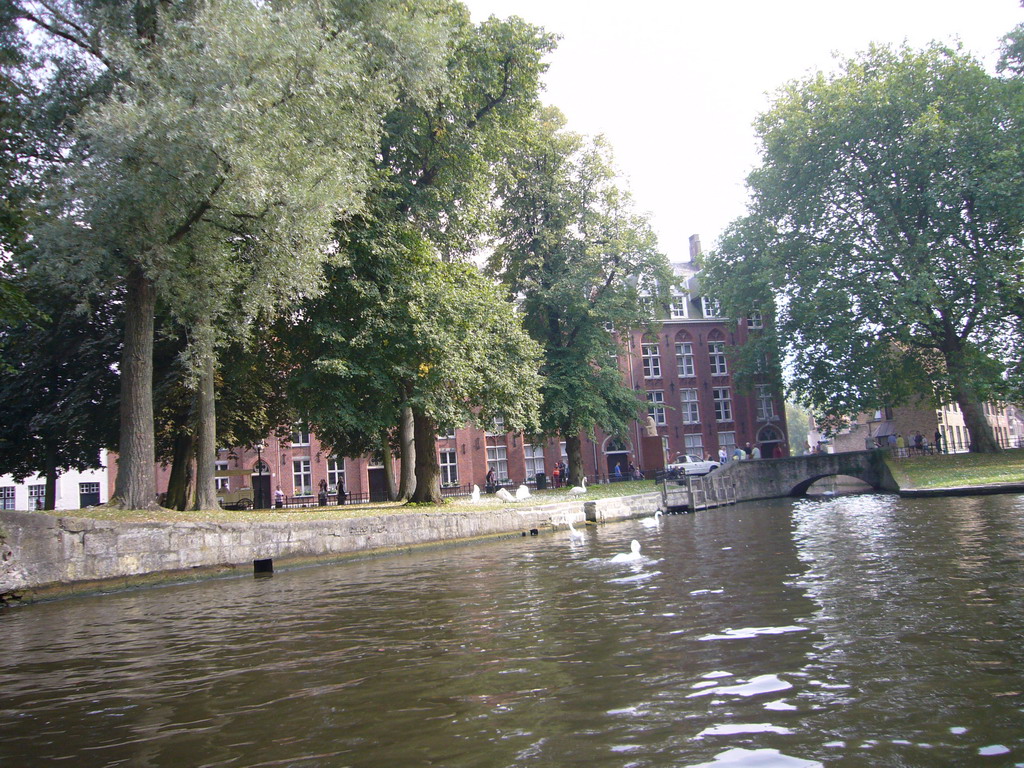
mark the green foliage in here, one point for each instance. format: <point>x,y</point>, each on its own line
<point>401,328</point>
<point>579,257</point>
<point>885,231</point>
<point>58,387</point>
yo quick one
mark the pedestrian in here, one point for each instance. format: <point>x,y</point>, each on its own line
<point>618,471</point>
<point>341,491</point>
<point>490,480</point>
<point>723,455</point>
<point>279,497</point>
<point>901,445</point>
<point>556,477</point>
<point>738,454</point>
<point>633,473</point>
<point>918,441</point>
<point>938,441</point>
<point>746,451</point>
<point>756,452</point>
<point>322,494</point>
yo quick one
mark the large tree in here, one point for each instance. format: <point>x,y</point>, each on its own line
<point>230,136</point>
<point>884,233</point>
<point>583,263</point>
<point>410,332</point>
<point>434,195</point>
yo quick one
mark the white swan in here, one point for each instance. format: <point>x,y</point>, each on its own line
<point>475,496</point>
<point>633,554</point>
<point>574,534</point>
<point>505,496</point>
<point>579,490</point>
<point>653,521</point>
<point>522,493</point>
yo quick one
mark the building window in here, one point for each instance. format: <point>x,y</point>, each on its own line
<point>497,459</point>
<point>300,435</point>
<point>36,492</point>
<point>652,361</point>
<point>723,403</point>
<point>677,307</point>
<point>727,442</point>
<point>656,407</point>
<point>223,483</point>
<point>716,354</point>
<point>497,426</point>
<point>694,445</point>
<point>85,488</point>
<point>690,410</point>
<point>765,403</point>
<point>449,468</point>
<point>684,359</point>
<point>534,460</point>
<point>754,319</point>
<point>7,497</point>
<point>710,307</point>
<point>302,478</point>
<point>335,474</point>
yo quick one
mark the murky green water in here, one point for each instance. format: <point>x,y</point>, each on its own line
<point>860,631</point>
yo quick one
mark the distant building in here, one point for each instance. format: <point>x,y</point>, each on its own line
<point>875,429</point>
<point>75,490</point>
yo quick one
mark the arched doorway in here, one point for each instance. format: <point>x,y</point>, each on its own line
<point>772,443</point>
<point>616,453</point>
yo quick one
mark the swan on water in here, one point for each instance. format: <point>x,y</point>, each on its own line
<point>579,490</point>
<point>574,534</point>
<point>633,554</point>
<point>504,495</point>
<point>522,493</point>
<point>653,521</point>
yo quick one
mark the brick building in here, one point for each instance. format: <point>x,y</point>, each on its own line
<point>681,370</point>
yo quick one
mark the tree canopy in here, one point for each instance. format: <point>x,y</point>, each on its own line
<point>581,259</point>
<point>884,233</point>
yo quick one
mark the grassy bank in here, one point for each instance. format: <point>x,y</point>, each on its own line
<point>349,510</point>
<point>959,469</point>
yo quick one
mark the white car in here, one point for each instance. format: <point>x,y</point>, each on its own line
<point>691,465</point>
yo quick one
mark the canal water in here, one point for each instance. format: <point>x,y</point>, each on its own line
<point>855,631</point>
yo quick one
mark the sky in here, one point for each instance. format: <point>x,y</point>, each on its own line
<point>675,85</point>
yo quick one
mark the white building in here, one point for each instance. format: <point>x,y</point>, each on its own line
<point>75,490</point>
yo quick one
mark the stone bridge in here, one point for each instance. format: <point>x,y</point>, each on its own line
<point>778,478</point>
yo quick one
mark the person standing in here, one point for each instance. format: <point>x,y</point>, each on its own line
<point>938,441</point>
<point>755,453</point>
<point>723,455</point>
<point>279,498</point>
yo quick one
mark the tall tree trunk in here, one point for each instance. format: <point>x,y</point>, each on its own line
<point>983,439</point>
<point>180,483</point>
<point>574,451</point>
<point>406,439</point>
<point>51,473</point>
<point>136,475</point>
<point>428,472</point>
<point>206,437</point>
<point>389,466</point>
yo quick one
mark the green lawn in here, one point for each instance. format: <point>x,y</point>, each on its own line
<point>487,502</point>
<point>949,470</point>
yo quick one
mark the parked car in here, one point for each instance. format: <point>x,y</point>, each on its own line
<point>691,465</point>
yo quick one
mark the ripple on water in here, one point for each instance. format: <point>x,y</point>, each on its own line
<point>756,758</point>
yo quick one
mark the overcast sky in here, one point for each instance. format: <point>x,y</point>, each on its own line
<point>676,84</point>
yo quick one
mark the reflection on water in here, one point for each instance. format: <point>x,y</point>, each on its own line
<point>853,631</point>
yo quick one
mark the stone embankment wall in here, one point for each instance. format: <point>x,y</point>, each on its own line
<point>42,555</point>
